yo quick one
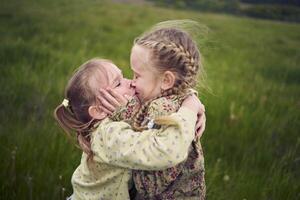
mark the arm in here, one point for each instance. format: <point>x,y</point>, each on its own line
<point>117,144</point>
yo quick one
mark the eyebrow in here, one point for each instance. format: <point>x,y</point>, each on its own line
<point>117,78</point>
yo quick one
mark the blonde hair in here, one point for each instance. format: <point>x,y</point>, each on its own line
<point>81,93</point>
<point>172,49</point>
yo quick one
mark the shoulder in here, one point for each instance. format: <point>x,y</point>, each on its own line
<point>163,106</point>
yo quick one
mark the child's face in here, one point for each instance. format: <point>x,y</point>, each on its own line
<point>146,80</point>
<point>108,75</point>
<point>117,82</point>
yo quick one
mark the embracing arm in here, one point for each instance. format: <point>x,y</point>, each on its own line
<point>117,144</point>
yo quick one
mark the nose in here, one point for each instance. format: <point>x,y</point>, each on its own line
<point>128,82</point>
<point>132,84</point>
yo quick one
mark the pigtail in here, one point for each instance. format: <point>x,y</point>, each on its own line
<point>64,119</point>
<point>69,123</point>
<point>85,145</point>
<point>139,116</point>
<point>167,120</point>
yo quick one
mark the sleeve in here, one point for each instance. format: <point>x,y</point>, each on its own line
<point>117,144</point>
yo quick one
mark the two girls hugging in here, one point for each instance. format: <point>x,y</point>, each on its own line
<point>140,138</point>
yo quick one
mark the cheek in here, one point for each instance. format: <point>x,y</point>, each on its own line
<point>120,90</point>
<point>138,83</point>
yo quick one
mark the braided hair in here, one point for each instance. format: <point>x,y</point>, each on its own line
<point>174,50</point>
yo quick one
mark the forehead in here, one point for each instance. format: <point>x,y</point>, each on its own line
<point>113,73</point>
<point>140,58</point>
<point>113,69</point>
<point>108,68</point>
<point>105,75</point>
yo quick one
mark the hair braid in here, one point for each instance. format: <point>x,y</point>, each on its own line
<point>139,116</point>
<point>174,50</point>
<point>182,55</point>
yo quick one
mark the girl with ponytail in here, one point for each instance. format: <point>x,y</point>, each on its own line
<point>111,149</point>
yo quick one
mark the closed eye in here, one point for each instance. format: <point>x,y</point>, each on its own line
<point>119,84</point>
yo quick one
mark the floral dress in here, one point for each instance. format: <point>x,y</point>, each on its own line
<point>183,181</point>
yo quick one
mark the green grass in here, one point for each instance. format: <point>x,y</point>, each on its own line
<point>251,142</point>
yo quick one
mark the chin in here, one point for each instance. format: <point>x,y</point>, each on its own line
<point>138,97</point>
<point>131,93</point>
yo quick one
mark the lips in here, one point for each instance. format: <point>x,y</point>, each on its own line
<point>137,95</point>
<point>131,93</point>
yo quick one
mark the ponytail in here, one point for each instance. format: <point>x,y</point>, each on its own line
<point>69,123</point>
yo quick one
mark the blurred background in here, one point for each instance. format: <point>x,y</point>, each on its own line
<point>252,61</point>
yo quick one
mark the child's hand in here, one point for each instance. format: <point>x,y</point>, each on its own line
<point>110,100</point>
<point>193,103</point>
<point>200,125</point>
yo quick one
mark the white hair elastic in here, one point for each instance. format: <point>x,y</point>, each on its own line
<point>150,124</point>
<point>65,103</point>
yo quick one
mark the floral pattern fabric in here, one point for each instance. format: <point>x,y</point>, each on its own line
<point>184,181</point>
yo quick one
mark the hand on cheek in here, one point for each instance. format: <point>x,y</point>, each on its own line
<point>111,100</point>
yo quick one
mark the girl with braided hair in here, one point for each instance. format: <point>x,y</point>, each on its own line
<point>165,62</point>
<point>111,149</point>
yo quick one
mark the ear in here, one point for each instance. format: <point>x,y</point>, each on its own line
<point>168,80</point>
<point>96,113</point>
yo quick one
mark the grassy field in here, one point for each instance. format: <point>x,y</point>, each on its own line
<point>251,143</point>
